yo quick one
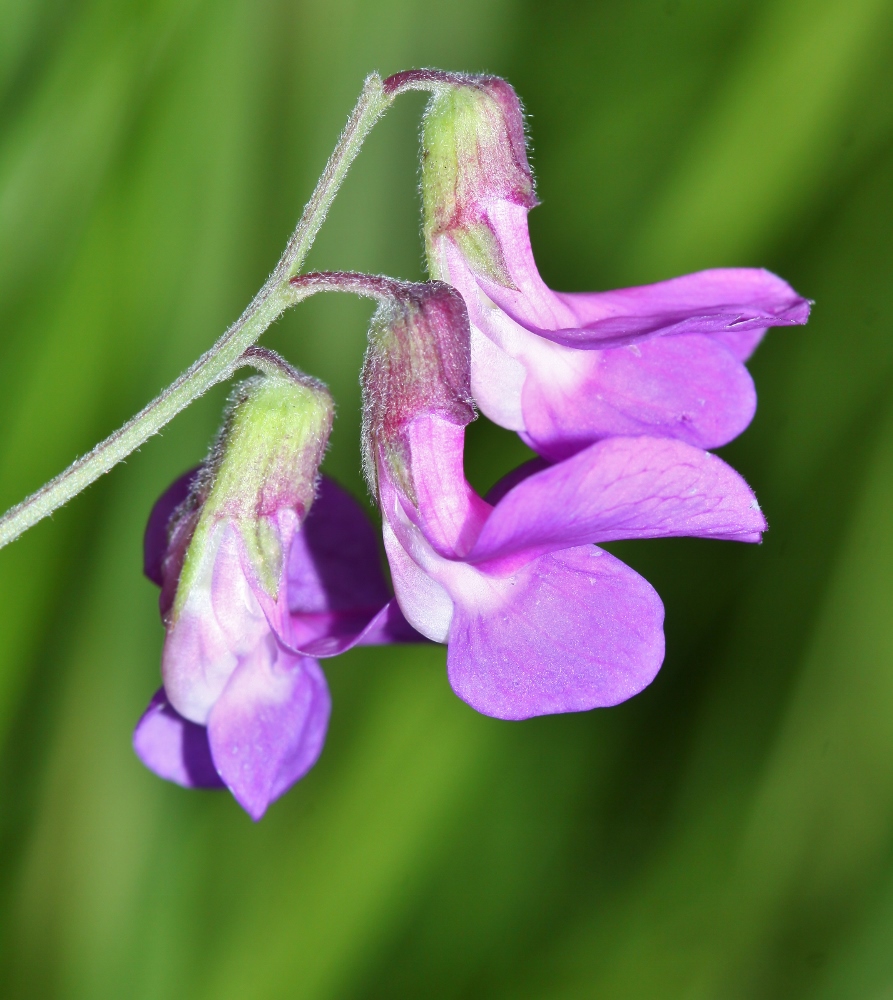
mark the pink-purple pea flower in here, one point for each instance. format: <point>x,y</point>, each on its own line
<point>567,369</point>
<point>256,583</point>
<point>536,618</point>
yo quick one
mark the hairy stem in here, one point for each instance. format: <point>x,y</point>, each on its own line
<point>225,356</point>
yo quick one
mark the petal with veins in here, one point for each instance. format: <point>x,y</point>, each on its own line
<point>570,631</point>
<point>689,387</point>
<point>622,488</point>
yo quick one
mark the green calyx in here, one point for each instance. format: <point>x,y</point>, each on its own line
<point>473,153</point>
<point>482,252</point>
<point>266,458</point>
<point>267,454</point>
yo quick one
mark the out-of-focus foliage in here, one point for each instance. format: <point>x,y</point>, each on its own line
<point>727,834</point>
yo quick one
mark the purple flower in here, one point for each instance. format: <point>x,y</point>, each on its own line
<point>567,369</point>
<point>255,584</point>
<point>536,618</point>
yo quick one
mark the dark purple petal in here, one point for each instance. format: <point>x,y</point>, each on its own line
<point>268,727</point>
<point>173,747</point>
<point>155,538</point>
<point>707,302</point>
<point>337,594</point>
<point>334,563</point>
<point>622,488</point>
<point>570,631</point>
<point>689,387</point>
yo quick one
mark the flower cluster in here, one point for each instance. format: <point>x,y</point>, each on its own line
<point>265,567</point>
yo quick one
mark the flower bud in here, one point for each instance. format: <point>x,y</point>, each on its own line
<point>473,153</point>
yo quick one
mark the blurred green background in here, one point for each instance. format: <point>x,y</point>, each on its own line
<point>727,834</point>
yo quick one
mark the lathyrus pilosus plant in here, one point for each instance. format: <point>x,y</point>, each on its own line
<point>265,567</point>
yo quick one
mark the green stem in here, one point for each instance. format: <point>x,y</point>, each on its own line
<point>225,356</point>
